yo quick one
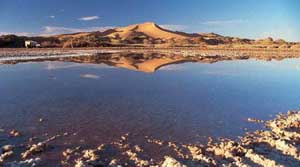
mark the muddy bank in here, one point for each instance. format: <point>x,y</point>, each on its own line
<point>39,53</point>
<point>276,146</point>
<point>36,54</point>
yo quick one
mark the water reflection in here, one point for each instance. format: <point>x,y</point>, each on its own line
<point>184,102</point>
<point>150,62</point>
<point>143,62</point>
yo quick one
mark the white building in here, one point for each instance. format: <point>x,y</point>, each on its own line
<point>32,44</point>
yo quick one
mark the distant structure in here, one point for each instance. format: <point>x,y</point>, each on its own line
<point>32,44</point>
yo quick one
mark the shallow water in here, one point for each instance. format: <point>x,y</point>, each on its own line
<point>184,102</point>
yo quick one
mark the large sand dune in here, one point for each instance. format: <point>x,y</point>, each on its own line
<point>150,29</point>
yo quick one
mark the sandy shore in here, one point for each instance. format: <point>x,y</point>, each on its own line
<point>276,146</point>
<point>32,54</point>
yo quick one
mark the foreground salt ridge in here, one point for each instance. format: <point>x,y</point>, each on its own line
<point>278,146</point>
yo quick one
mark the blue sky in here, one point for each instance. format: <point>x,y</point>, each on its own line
<point>241,18</point>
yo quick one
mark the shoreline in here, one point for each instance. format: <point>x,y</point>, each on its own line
<point>277,146</point>
<point>15,54</point>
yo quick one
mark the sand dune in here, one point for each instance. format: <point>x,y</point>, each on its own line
<point>149,29</point>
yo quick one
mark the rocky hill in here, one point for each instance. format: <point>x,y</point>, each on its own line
<point>144,35</point>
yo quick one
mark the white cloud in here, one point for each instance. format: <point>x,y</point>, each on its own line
<point>53,30</point>
<point>223,22</point>
<point>220,73</point>
<point>89,18</point>
<point>60,65</point>
<point>90,76</point>
<point>173,67</point>
<point>65,65</point>
<point>18,33</point>
<point>284,33</point>
<point>174,27</point>
<point>52,17</point>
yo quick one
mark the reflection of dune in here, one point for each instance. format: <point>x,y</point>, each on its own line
<point>155,64</point>
<point>147,66</point>
<point>144,62</point>
<point>147,63</point>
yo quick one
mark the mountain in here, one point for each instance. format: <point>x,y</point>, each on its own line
<point>146,34</point>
